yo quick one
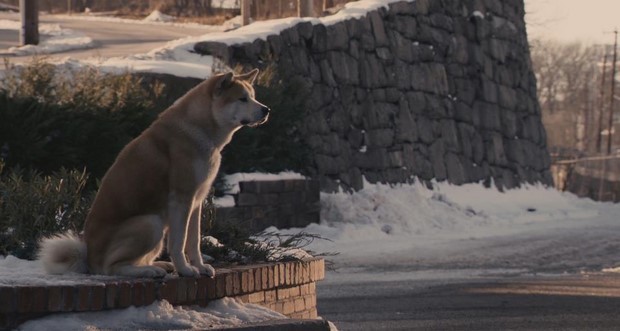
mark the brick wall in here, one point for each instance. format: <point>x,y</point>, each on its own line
<point>281,203</point>
<point>286,287</point>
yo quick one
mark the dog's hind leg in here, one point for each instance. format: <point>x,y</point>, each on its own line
<point>168,266</point>
<point>134,247</point>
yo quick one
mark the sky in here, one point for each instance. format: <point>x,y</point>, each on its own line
<point>589,21</point>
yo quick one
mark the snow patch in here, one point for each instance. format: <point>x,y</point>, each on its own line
<point>161,315</point>
<point>232,181</point>
<point>157,16</point>
<point>53,39</point>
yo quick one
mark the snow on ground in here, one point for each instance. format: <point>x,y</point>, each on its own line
<point>53,39</point>
<point>160,315</point>
<point>412,232</point>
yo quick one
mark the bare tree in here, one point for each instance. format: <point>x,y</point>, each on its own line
<point>568,91</point>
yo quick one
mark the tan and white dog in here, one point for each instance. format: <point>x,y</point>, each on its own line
<point>157,185</point>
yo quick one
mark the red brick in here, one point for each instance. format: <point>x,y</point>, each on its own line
<point>251,283</point>
<point>220,282</point>
<point>124,295</point>
<point>288,270</point>
<point>83,298</point>
<point>257,297</point>
<point>211,289</point>
<point>236,282</point>
<point>245,286</point>
<point>257,279</point>
<point>111,295</point>
<point>245,298</point>
<point>276,275</point>
<point>300,304</point>
<point>320,266</point>
<point>229,279</point>
<point>264,277</point>
<point>295,291</point>
<point>313,313</point>
<point>304,289</point>
<point>282,273</point>
<point>312,288</point>
<point>279,307</point>
<point>97,299</point>
<point>305,276</point>
<point>315,268</point>
<point>182,289</point>
<point>310,301</point>
<point>270,296</point>
<point>24,299</point>
<point>288,307</point>
<point>298,273</point>
<point>137,294</point>
<point>192,288</point>
<point>68,298</point>
<point>298,315</point>
<point>54,298</point>
<point>168,290</point>
<point>8,299</point>
<point>149,292</point>
<point>270,276</point>
<point>201,290</point>
<point>283,293</point>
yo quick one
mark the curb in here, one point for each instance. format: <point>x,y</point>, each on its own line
<point>283,325</point>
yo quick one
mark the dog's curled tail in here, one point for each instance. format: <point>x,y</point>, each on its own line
<point>63,253</point>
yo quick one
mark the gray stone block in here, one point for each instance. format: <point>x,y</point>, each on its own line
<point>380,138</point>
<point>437,154</point>
<point>406,26</point>
<point>402,8</point>
<point>429,77</point>
<point>425,130</point>
<point>305,30</point>
<point>344,67</point>
<point>338,39</point>
<point>378,30</point>
<point>455,170</point>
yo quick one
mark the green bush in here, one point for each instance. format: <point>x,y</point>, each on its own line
<point>33,205</point>
<point>51,119</point>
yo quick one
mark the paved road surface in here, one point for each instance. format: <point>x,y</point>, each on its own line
<point>578,302</point>
<point>111,38</point>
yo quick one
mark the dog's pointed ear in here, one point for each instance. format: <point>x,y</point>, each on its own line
<point>249,77</point>
<point>223,82</point>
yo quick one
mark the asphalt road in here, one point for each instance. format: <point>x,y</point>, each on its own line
<point>577,302</point>
<point>111,38</point>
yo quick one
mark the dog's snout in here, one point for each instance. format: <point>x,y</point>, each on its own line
<point>265,110</point>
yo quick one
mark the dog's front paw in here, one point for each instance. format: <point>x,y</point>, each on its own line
<point>206,270</point>
<point>188,271</point>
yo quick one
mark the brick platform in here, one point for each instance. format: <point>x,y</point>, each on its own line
<point>284,203</point>
<point>286,287</point>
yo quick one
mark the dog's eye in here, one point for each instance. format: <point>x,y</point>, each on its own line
<point>244,99</point>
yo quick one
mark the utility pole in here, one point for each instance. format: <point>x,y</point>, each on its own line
<point>245,12</point>
<point>610,123</point>
<point>599,135</point>
<point>29,32</point>
<point>305,8</point>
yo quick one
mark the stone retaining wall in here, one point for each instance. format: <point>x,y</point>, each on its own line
<point>431,89</point>
<point>283,203</point>
<point>286,287</point>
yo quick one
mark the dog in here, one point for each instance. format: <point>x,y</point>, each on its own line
<point>156,186</point>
